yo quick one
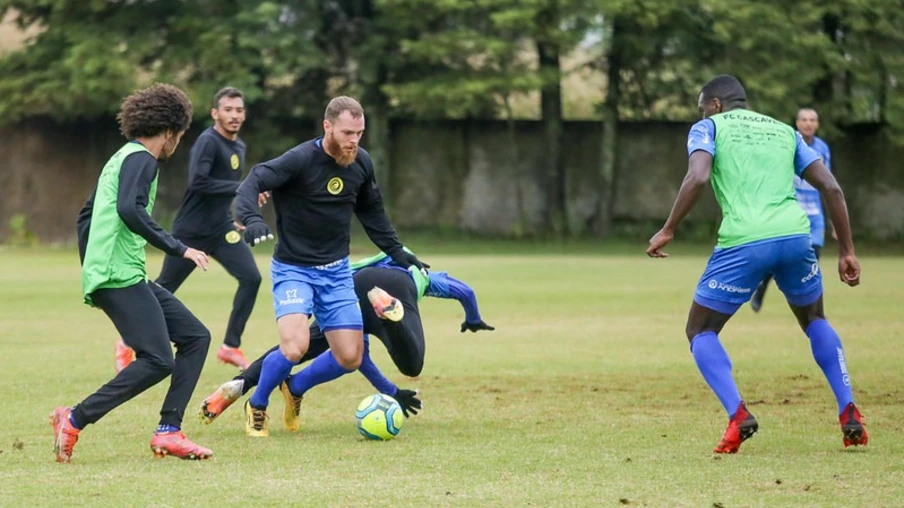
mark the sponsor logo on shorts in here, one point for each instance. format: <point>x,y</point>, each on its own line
<point>335,185</point>
<point>291,298</point>
<point>233,237</point>
<point>714,284</point>
<point>814,271</point>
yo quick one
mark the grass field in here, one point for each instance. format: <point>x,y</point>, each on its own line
<point>585,395</point>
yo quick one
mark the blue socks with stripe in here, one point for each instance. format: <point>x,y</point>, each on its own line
<point>829,355</point>
<point>715,366</point>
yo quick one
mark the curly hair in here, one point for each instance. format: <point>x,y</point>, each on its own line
<point>154,110</point>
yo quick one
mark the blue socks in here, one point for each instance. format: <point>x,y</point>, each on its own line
<point>714,364</point>
<point>273,371</point>
<point>324,368</point>
<point>72,422</point>
<point>829,355</point>
<point>370,371</point>
<point>164,429</point>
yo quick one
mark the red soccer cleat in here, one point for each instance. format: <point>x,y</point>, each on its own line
<point>64,434</point>
<point>124,355</point>
<point>234,356</point>
<point>741,427</point>
<point>852,427</point>
<point>177,445</point>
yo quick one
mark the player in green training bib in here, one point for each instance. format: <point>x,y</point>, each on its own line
<point>113,228</point>
<point>751,160</point>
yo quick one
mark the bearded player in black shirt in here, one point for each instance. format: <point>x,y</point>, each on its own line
<point>205,221</point>
<point>316,188</point>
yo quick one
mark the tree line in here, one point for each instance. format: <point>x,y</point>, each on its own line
<point>462,59</point>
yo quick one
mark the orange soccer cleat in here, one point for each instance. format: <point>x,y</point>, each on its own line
<point>124,355</point>
<point>742,427</point>
<point>177,445</point>
<point>234,356</point>
<point>217,402</point>
<point>64,434</point>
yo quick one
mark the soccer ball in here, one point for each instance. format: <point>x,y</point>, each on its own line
<point>379,417</point>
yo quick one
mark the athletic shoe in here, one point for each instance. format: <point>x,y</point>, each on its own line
<point>742,427</point>
<point>291,412</point>
<point>852,427</point>
<point>385,305</point>
<point>234,356</point>
<point>64,434</point>
<point>255,421</point>
<point>177,445</point>
<point>124,355</point>
<point>217,402</point>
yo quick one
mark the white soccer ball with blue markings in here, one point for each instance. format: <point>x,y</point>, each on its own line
<point>379,417</point>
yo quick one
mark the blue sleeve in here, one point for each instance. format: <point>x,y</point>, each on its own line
<point>826,154</point>
<point>803,156</point>
<point>370,371</point>
<point>702,136</point>
<point>444,286</point>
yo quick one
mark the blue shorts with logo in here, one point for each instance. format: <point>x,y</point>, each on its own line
<point>733,273</point>
<point>327,292</point>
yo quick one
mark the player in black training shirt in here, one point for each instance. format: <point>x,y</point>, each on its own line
<point>204,220</point>
<point>316,188</point>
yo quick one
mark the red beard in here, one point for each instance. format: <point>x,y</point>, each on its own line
<point>343,157</point>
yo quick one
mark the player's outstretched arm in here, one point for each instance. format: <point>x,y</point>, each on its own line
<point>135,177</point>
<point>200,162</point>
<point>819,177</point>
<point>699,168</point>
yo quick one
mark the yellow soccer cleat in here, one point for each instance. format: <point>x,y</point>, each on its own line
<point>255,421</point>
<point>385,306</point>
<point>292,411</point>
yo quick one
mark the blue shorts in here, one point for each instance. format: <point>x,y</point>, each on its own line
<point>327,292</point>
<point>733,273</point>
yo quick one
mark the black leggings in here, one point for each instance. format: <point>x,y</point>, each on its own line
<point>238,261</point>
<point>148,318</point>
<point>403,340</point>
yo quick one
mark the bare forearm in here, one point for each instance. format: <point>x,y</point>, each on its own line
<point>838,214</point>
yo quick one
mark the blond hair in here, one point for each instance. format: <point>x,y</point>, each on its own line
<point>340,104</point>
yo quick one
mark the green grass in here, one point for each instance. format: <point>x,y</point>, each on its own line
<point>585,395</point>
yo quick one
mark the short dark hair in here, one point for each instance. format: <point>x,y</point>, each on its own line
<point>229,92</point>
<point>340,104</point>
<point>727,88</point>
<point>154,110</point>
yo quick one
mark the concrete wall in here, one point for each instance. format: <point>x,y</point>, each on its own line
<point>451,174</point>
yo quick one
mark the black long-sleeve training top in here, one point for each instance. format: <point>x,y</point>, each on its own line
<point>135,177</point>
<point>314,199</point>
<point>214,172</point>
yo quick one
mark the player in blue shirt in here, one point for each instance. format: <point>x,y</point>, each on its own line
<point>404,340</point>
<point>807,123</point>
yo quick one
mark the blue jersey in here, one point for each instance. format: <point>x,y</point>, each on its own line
<point>808,197</point>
